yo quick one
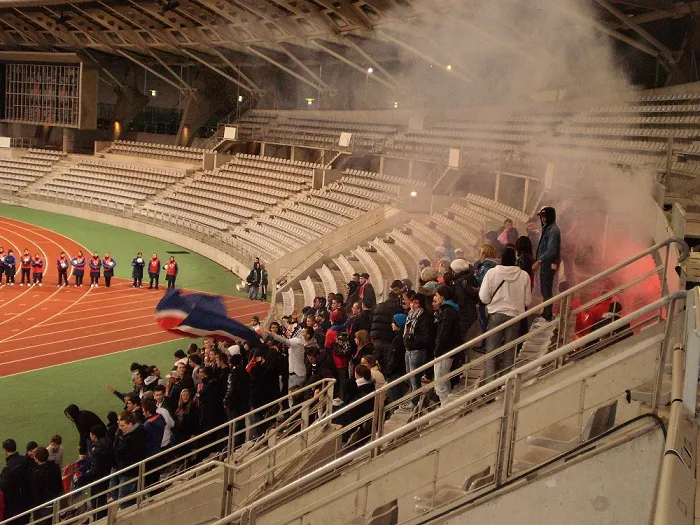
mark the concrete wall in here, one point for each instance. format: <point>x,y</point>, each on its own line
<point>136,225</point>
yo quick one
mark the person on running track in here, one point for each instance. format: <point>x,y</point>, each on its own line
<point>108,264</point>
<point>62,264</point>
<point>2,262</point>
<point>37,269</point>
<point>78,263</point>
<point>170,272</point>
<point>26,266</point>
<point>154,270</point>
<point>10,267</point>
<point>138,263</point>
<point>95,265</point>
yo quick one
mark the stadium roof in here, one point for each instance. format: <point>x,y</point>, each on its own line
<point>226,35</point>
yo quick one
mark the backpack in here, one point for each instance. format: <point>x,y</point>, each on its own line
<point>342,347</point>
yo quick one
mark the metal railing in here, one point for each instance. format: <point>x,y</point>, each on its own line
<point>500,453</point>
<point>260,428</point>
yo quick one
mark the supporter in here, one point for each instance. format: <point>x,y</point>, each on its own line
<point>137,273</point>
<point>153,378</point>
<point>487,261</point>
<point>396,361</point>
<point>154,427</point>
<point>186,418</point>
<point>255,324</point>
<point>466,295</point>
<point>397,287</point>
<point>429,279</point>
<point>171,270</point>
<point>448,248</point>
<point>439,256</point>
<point>361,387</point>
<point>112,425</point>
<point>132,403</point>
<point>381,332</point>
<point>78,263</point>
<point>26,266</point>
<point>100,463</point>
<point>253,281</point>
<point>295,342</point>
<point>15,482</point>
<point>419,337</point>
<point>447,337</point>
<point>319,365</point>
<point>507,234</point>
<point>83,421</point>
<point>179,357</point>
<point>56,450</point>
<point>364,347</point>
<point>367,291</point>
<point>95,266</point>
<point>525,260</point>
<point>137,379</point>
<point>2,262</point>
<point>377,377</point>
<point>337,345</point>
<point>10,267</point>
<point>263,282</point>
<point>506,292</point>
<point>30,448</point>
<point>237,397</point>
<point>353,293</point>
<point>491,238</point>
<point>459,253</point>
<point>46,485</point>
<point>614,314</point>
<point>336,302</point>
<point>62,264</point>
<point>129,448</point>
<point>108,265</point>
<point>264,388</point>
<point>356,277</point>
<point>153,271</point>
<point>37,269</point>
<point>195,362</point>
<point>548,255</point>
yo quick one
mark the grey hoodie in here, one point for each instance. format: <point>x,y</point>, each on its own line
<point>514,295</point>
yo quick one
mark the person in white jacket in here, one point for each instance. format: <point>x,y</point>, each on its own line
<point>506,293</point>
<point>297,367</point>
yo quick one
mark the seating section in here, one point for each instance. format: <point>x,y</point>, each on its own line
<point>17,174</point>
<point>158,151</point>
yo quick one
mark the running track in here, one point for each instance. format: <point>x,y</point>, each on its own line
<point>46,326</point>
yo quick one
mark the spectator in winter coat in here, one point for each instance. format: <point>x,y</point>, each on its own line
<point>361,387</point>
<point>353,294</point>
<point>506,294</point>
<point>83,420</point>
<point>319,365</point>
<point>377,377</point>
<point>56,450</point>
<point>137,273</point>
<point>548,255</point>
<point>419,337</point>
<point>237,397</point>
<point>46,485</point>
<point>507,234</point>
<point>525,259</point>
<point>447,338</point>
<point>487,260</point>
<point>253,280</point>
<point>429,278</point>
<point>381,333</point>
<point>186,418</point>
<point>396,360</point>
<point>211,404</point>
<point>15,482</point>
<point>367,293</point>
<point>263,283</point>
<point>466,295</point>
<point>154,426</point>
<point>100,464</point>
<point>129,448</point>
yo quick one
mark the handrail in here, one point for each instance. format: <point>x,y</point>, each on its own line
<point>325,395</point>
<point>496,384</point>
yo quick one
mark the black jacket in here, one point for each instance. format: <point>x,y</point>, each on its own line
<point>354,393</point>
<point>395,359</point>
<point>211,405</point>
<point>467,297</point>
<point>423,335</point>
<point>130,448</point>
<point>15,484</point>
<point>46,483</point>
<point>100,461</point>
<point>382,318</point>
<point>323,369</point>
<point>264,383</point>
<point>83,420</point>
<point>368,294</point>
<point>237,396</point>
<point>448,333</point>
<point>186,424</point>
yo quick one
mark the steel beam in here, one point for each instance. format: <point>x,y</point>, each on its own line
<point>353,65</point>
<point>243,76</point>
<point>150,70</point>
<point>217,70</point>
<point>177,77</point>
<point>376,65</point>
<point>283,68</point>
<point>304,67</point>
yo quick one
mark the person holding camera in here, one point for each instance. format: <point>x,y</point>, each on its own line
<point>137,273</point>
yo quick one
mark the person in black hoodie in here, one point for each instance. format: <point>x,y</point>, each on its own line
<point>319,365</point>
<point>466,295</point>
<point>548,255</point>
<point>237,398</point>
<point>211,405</point>
<point>396,360</point>
<point>353,294</point>
<point>264,388</point>
<point>381,332</point>
<point>83,420</point>
<point>100,464</point>
<point>46,485</point>
<point>129,448</point>
<point>358,389</point>
<point>112,426</point>
<point>448,337</point>
<point>15,482</point>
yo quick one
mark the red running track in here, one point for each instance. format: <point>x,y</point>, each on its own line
<point>51,325</point>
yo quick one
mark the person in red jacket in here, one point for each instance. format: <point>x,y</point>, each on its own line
<point>170,272</point>
<point>108,264</point>
<point>62,264</point>
<point>37,269</point>
<point>26,265</point>
<point>95,265</point>
<point>154,270</point>
<point>78,263</point>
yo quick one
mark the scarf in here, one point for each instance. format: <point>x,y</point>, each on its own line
<point>411,322</point>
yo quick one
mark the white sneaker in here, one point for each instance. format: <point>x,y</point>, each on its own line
<point>22,284</point>
<point>12,284</point>
<point>39,284</point>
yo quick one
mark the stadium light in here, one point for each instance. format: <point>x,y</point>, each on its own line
<point>449,67</point>
<point>396,104</point>
<point>310,101</point>
<point>240,98</point>
<point>370,70</point>
<point>154,93</point>
<point>414,194</point>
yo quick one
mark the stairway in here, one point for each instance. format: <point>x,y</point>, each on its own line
<point>61,167</point>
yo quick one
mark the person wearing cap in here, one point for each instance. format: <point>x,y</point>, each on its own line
<point>466,295</point>
<point>367,290</point>
<point>429,278</point>
<point>548,255</point>
<point>506,294</point>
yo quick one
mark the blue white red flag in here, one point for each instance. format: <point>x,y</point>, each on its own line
<point>200,315</point>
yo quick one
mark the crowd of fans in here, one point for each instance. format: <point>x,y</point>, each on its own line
<point>350,337</point>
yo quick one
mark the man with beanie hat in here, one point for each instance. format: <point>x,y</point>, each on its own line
<point>548,255</point>
<point>506,294</point>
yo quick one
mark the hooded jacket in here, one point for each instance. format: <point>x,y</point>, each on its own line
<point>514,295</point>
<point>100,461</point>
<point>548,249</point>
<point>15,484</point>
<point>83,420</point>
<point>382,318</point>
<point>448,332</point>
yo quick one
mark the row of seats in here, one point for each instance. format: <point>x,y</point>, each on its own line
<point>158,151</point>
<point>385,178</point>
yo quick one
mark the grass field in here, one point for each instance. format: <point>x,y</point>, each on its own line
<point>33,402</point>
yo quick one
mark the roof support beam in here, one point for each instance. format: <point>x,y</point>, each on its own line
<point>284,68</point>
<point>177,77</point>
<point>150,70</point>
<point>241,75</point>
<point>217,70</point>
<point>376,65</point>
<point>304,67</point>
<point>353,65</point>
<point>104,70</point>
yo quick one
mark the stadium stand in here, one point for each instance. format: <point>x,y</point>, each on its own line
<point>17,174</point>
<point>157,151</point>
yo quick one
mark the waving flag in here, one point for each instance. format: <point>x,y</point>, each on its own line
<point>199,315</point>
